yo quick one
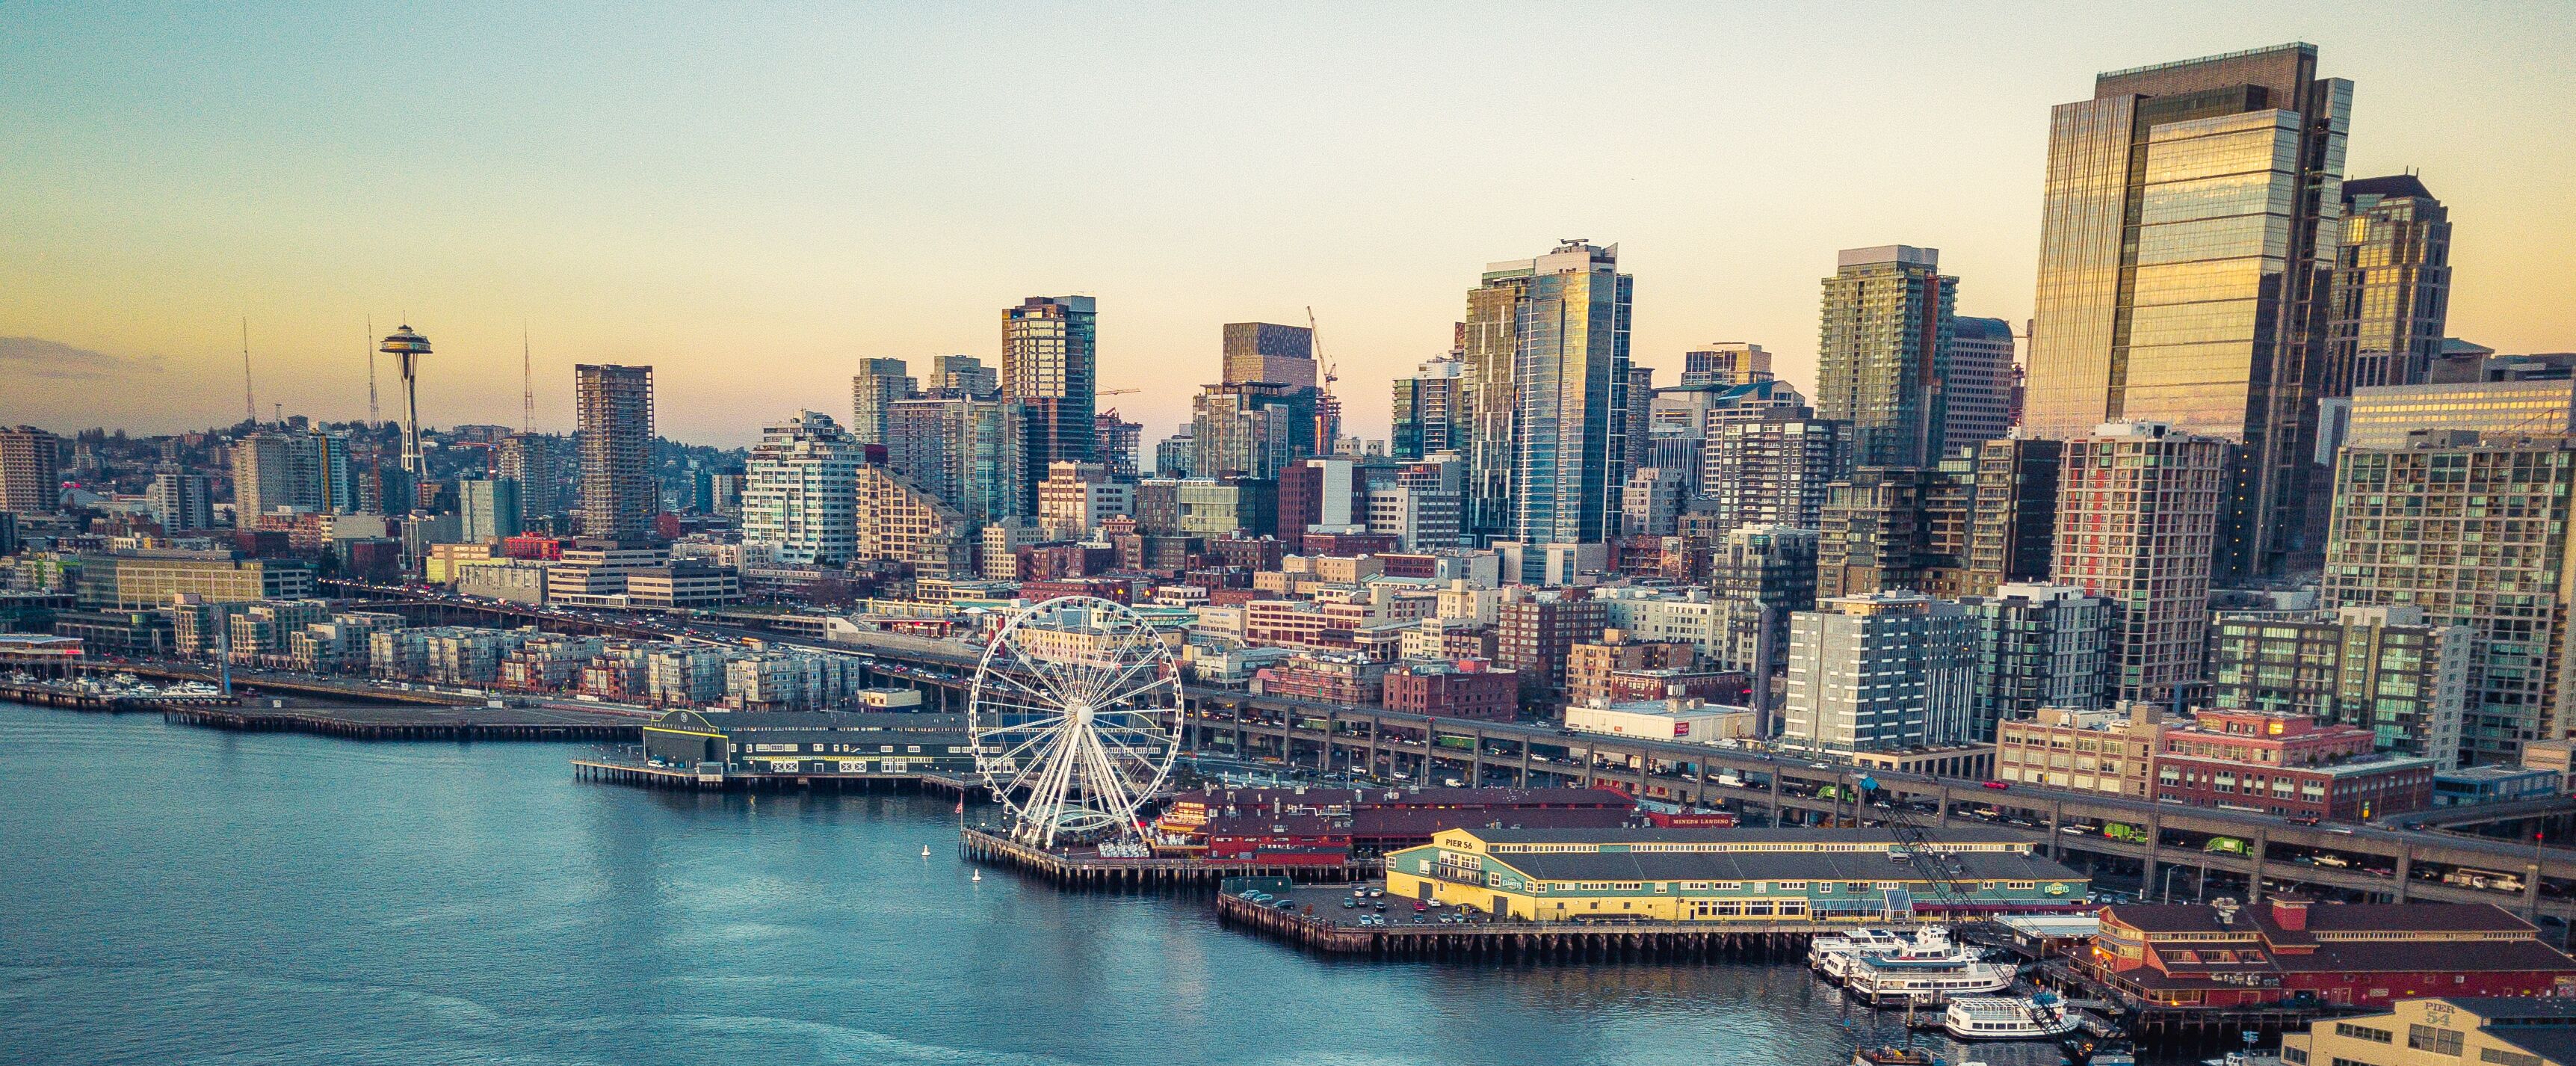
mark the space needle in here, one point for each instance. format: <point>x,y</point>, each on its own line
<point>407,347</point>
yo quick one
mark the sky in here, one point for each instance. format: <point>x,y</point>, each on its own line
<point>753,197</point>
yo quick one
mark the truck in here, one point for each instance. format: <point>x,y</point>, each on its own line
<point>2133,834</point>
<point>2227,846</point>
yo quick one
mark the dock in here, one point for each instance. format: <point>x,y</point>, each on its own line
<point>1316,921</point>
<point>2186,1027</point>
<point>413,722</point>
<point>628,767</point>
<point>84,700</point>
<point>1086,868</point>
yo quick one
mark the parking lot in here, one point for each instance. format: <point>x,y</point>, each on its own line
<point>1326,903</point>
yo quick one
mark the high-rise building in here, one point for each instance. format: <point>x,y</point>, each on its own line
<point>1773,471</point>
<point>2475,533</point>
<point>800,491</point>
<point>964,451</point>
<point>878,386</point>
<point>1762,574</point>
<point>1881,672</point>
<point>2392,285</point>
<point>898,521</point>
<point>1537,630</point>
<point>1420,508</point>
<point>2385,416</point>
<point>1882,351</point>
<point>1250,429</point>
<point>1546,404</point>
<point>294,471</point>
<point>1426,409</point>
<point>1976,390</point>
<point>2138,517</point>
<point>2185,247</point>
<point>488,509</point>
<point>2012,530</point>
<point>614,410</point>
<point>1075,498</point>
<point>2385,669</point>
<point>1117,441</point>
<point>1172,454</point>
<point>181,502</point>
<point>1653,502</point>
<point>31,473</point>
<point>1895,529</point>
<point>2037,646</point>
<point>537,462</point>
<point>1263,351</point>
<point>1050,370</point>
<point>1641,413</point>
<point>1726,363</point>
<point>962,375</point>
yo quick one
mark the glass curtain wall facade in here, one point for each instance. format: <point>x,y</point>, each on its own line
<point>2392,284</point>
<point>1547,384</point>
<point>2185,248</point>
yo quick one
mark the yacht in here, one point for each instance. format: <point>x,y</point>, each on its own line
<point>1893,1056</point>
<point>1926,973</point>
<point>2039,1017</point>
<point>1823,949</point>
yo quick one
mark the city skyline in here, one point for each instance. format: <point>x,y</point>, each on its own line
<point>697,241</point>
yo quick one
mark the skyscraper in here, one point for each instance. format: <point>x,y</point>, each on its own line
<point>296,471</point>
<point>2138,509</point>
<point>1117,442</point>
<point>2477,534</point>
<point>1726,363</point>
<point>1641,413</point>
<point>967,452</point>
<point>1250,429</point>
<point>877,385</point>
<point>2392,285</point>
<point>1049,369</point>
<point>963,375</point>
<point>2012,530</point>
<point>2037,646</point>
<point>800,491</point>
<point>614,408</point>
<point>1976,391</point>
<point>31,473</point>
<point>488,509</point>
<point>181,502</point>
<point>1264,351</point>
<point>1773,471</point>
<point>536,462</point>
<point>1426,409</point>
<point>1547,403</point>
<point>1882,348</point>
<point>2184,249</point>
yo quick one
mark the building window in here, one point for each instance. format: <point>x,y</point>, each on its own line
<point>2362,1032</point>
<point>2501,1057</point>
<point>2434,1039</point>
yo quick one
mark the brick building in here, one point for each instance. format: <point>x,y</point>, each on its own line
<point>2288,765</point>
<point>2223,955</point>
<point>1466,688</point>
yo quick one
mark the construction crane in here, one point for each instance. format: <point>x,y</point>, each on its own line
<point>1111,392</point>
<point>1315,337</point>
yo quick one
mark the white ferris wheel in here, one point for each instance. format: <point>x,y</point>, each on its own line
<point>1076,718</point>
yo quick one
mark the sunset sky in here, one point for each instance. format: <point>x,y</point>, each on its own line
<point>751,198</point>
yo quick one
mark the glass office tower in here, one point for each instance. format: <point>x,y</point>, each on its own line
<point>1546,396</point>
<point>1049,369</point>
<point>1883,352</point>
<point>2392,285</point>
<point>2185,247</point>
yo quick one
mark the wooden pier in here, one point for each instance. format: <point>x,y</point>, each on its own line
<point>2204,1028</point>
<point>80,700</point>
<point>1090,870</point>
<point>413,722</point>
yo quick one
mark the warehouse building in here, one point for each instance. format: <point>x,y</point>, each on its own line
<point>1689,875</point>
<point>813,742</point>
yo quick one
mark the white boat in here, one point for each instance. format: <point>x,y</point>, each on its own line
<point>2039,1017</point>
<point>1824,949</point>
<point>1926,973</point>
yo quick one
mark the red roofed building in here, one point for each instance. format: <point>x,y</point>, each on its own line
<point>2288,765</point>
<point>2223,955</point>
<point>1279,839</point>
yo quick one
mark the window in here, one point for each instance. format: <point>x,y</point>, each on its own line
<point>2434,1039</point>
<point>2362,1032</point>
<point>2501,1057</point>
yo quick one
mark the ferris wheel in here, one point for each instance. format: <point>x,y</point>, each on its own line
<point>1076,717</point>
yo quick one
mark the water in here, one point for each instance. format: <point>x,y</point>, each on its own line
<point>179,895</point>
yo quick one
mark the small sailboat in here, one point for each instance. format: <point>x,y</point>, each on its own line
<point>979,875</point>
<point>925,851</point>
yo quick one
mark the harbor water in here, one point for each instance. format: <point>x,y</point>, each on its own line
<point>178,895</point>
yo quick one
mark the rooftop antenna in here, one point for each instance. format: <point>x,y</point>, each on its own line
<point>372,420</point>
<point>527,383</point>
<point>250,405</point>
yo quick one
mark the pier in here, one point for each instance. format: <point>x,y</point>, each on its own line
<point>415,722</point>
<point>1088,869</point>
<point>86,700</point>
<point>1317,922</point>
<point>625,767</point>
